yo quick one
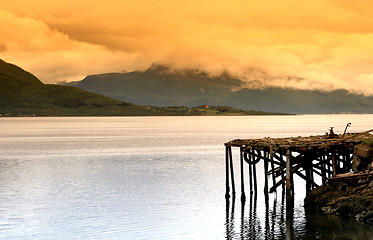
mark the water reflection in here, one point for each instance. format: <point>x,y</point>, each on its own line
<point>276,223</point>
<point>273,220</point>
<point>229,209</point>
<point>148,178</point>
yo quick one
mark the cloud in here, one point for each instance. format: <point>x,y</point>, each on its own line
<point>321,44</point>
<point>52,55</point>
<point>364,81</point>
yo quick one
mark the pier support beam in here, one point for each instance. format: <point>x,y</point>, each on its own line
<point>248,156</point>
<point>315,155</point>
<point>265,175</point>
<point>243,196</point>
<point>232,172</point>
<point>289,195</point>
<point>273,167</point>
<point>323,169</point>
<point>254,170</point>
<point>227,173</point>
<point>334,164</point>
<point>308,168</point>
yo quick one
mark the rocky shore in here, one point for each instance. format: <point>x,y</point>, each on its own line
<point>349,194</point>
<point>343,199</point>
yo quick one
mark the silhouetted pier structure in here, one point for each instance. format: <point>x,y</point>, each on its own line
<point>325,156</point>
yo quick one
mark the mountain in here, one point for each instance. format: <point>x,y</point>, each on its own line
<point>22,94</point>
<point>163,86</point>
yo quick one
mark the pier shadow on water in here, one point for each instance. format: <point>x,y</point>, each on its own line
<point>250,222</point>
<point>272,220</point>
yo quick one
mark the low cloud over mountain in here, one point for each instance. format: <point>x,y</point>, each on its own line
<point>165,86</point>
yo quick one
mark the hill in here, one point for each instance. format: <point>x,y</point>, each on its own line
<point>22,94</point>
<point>162,86</point>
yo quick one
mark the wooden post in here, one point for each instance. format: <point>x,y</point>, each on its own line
<point>328,160</point>
<point>250,174</point>
<point>343,160</point>
<point>292,188</point>
<point>254,171</point>
<point>349,155</point>
<point>327,164</point>
<point>273,168</point>
<point>337,162</point>
<point>243,196</point>
<point>307,168</point>
<point>323,168</point>
<point>312,173</point>
<point>226,173</point>
<point>334,164</point>
<point>265,176</point>
<point>232,172</point>
<point>282,174</point>
<point>288,178</point>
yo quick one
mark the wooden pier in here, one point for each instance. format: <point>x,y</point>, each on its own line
<point>325,156</point>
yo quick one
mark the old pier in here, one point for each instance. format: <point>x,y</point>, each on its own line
<point>325,156</point>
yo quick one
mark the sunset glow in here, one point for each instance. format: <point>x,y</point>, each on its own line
<point>320,44</point>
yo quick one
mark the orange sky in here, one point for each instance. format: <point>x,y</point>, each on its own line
<point>318,44</point>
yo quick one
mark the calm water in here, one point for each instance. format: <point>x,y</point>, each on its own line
<point>149,178</point>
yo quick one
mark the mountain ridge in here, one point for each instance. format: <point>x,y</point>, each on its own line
<point>22,94</point>
<point>163,86</point>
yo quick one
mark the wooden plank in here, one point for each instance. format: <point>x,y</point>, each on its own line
<point>344,139</point>
<point>283,179</point>
<point>351,177</point>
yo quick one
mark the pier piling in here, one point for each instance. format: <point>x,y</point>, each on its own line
<point>265,176</point>
<point>227,172</point>
<point>284,157</point>
<point>232,172</point>
<point>243,196</point>
<point>288,176</point>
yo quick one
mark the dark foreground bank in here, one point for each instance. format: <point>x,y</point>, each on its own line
<point>354,199</point>
<point>348,194</point>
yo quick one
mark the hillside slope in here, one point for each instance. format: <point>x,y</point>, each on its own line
<point>22,94</point>
<point>162,86</point>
